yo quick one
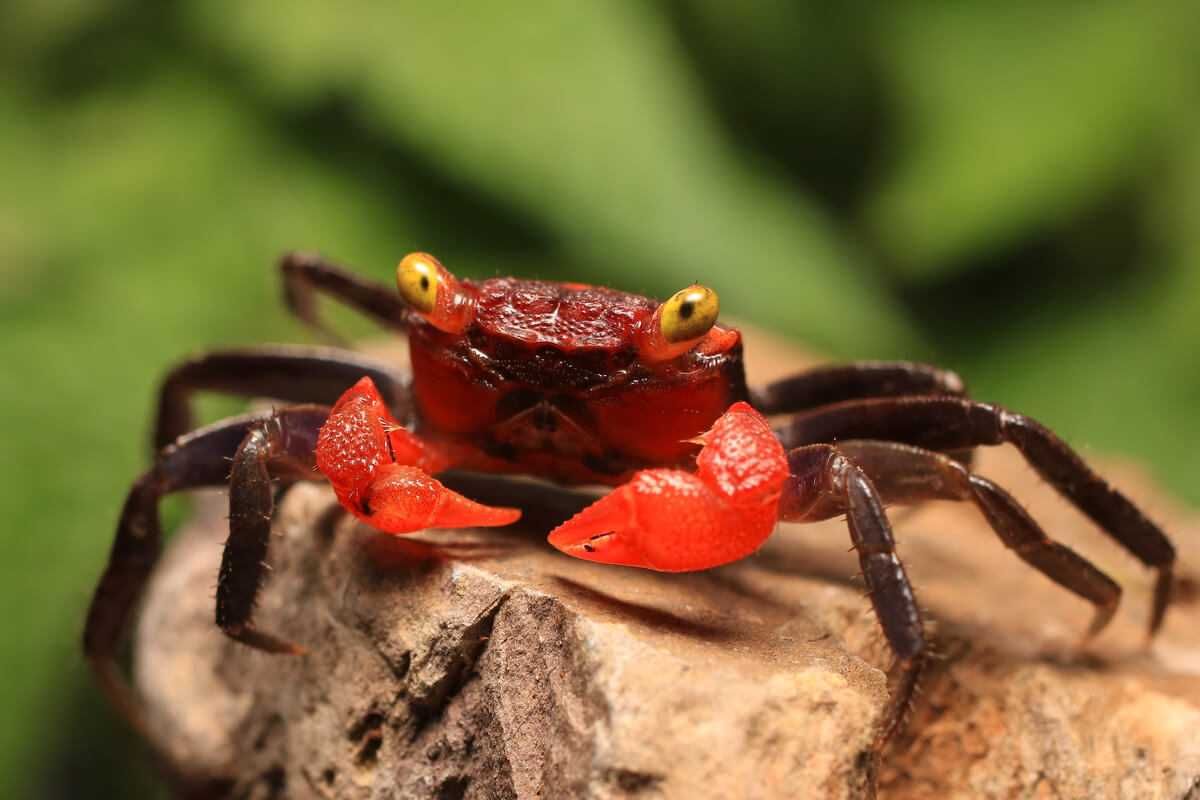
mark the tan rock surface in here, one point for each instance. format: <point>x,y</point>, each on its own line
<point>481,664</point>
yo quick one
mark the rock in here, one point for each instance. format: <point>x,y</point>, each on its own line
<point>483,664</point>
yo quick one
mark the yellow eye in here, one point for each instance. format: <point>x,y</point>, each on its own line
<point>417,278</point>
<point>689,314</point>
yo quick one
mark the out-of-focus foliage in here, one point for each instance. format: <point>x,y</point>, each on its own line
<point>1012,189</point>
<point>1017,116</point>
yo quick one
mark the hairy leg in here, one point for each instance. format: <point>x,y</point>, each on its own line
<point>859,379</point>
<point>905,474</point>
<point>305,274</point>
<point>949,423</point>
<point>824,483</point>
<point>281,447</point>
<point>289,373</point>
<point>195,460</point>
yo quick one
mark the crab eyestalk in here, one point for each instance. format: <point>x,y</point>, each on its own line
<point>679,324</point>
<point>434,293</point>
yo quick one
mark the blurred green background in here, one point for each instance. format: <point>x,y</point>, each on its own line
<point>1009,189</point>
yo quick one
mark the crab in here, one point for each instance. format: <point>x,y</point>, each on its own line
<point>580,384</point>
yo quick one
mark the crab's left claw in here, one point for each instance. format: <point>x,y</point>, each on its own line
<point>381,471</point>
<point>402,499</point>
<point>676,521</point>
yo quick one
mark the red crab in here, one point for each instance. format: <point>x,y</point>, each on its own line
<point>583,384</point>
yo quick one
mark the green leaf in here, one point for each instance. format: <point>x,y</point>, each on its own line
<point>1014,116</point>
<point>1121,375</point>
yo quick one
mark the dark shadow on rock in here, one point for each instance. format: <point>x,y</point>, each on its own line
<point>544,506</point>
<point>388,552</point>
<point>646,615</point>
<point>733,581</point>
<point>810,562</point>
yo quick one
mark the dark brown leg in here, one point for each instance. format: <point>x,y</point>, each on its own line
<point>279,445</point>
<point>304,274</point>
<point>948,423</point>
<point>906,474</point>
<point>833,384</point>
<point>281,372</point>
<point>826,483</point>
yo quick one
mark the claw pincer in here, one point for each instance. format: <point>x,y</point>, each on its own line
<point>674,521</point>
<point>380,471</point>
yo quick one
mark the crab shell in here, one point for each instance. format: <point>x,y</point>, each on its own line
<point>548,379</point>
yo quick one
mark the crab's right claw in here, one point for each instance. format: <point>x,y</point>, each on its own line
<point>676,521</point>
<point>663,519</point>
<point>604,532</point>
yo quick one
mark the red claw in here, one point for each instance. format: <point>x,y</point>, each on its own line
<point>403,499</point>
<point>676,521</point>
<point>380,471</point>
